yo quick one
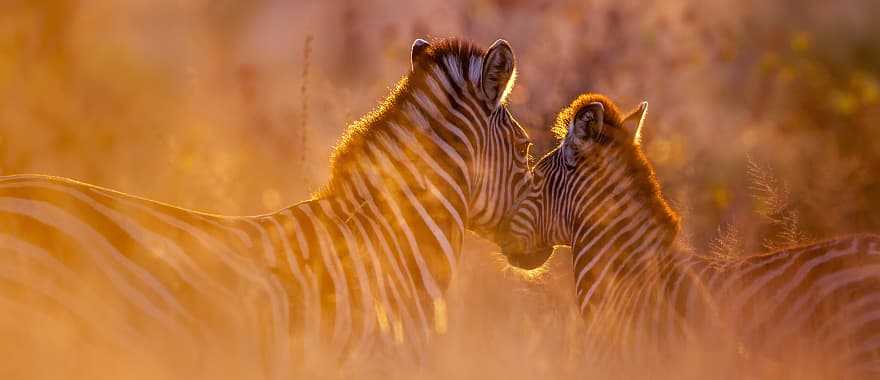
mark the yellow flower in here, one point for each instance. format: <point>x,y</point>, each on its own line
<point>866,87</point>
<point>800,42</point>
<point>844,103</point>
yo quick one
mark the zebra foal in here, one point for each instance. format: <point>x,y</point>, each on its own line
<point>638,293</point>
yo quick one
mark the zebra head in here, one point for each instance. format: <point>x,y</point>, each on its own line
<point>597,159</point>
<point>473,86</point>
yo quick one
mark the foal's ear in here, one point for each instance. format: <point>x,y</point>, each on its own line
<point>499,67</point>
<point>585,123</point>
<point>418,47</point>
<point>639,114</point>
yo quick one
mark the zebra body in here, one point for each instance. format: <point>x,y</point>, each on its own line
<point>363,263</point>
<point>639,293</point>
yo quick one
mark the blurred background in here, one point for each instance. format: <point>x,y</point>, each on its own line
<point>763,122</point>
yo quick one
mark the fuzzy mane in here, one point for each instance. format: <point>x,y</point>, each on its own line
<point>639,166</point>
<point>452,54</point>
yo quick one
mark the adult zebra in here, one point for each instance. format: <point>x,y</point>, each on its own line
<point>642,297</point>
<point>365,261</point>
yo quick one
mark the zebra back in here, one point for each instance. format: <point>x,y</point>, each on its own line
<point>358,269</point>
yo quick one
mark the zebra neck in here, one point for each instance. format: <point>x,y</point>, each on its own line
<point>651,287</point>
<point>613,263</point>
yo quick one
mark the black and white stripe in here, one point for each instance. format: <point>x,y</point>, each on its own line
<point>365,262</point>
<point>639,293</point>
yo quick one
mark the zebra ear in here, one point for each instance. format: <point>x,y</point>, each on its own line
<point>640,113</point>
<point>418,47</point>
<point>499,70</point>
<point>590,117</point>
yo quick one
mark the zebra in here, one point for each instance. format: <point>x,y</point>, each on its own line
<point>361,265</point>
<point>638,290</point>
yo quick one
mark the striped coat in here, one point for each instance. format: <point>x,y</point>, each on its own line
<point>362,265</point>
<point>640,295</point>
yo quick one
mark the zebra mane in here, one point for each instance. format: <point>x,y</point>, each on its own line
<point>639,166</point>
<point>461,59</point>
